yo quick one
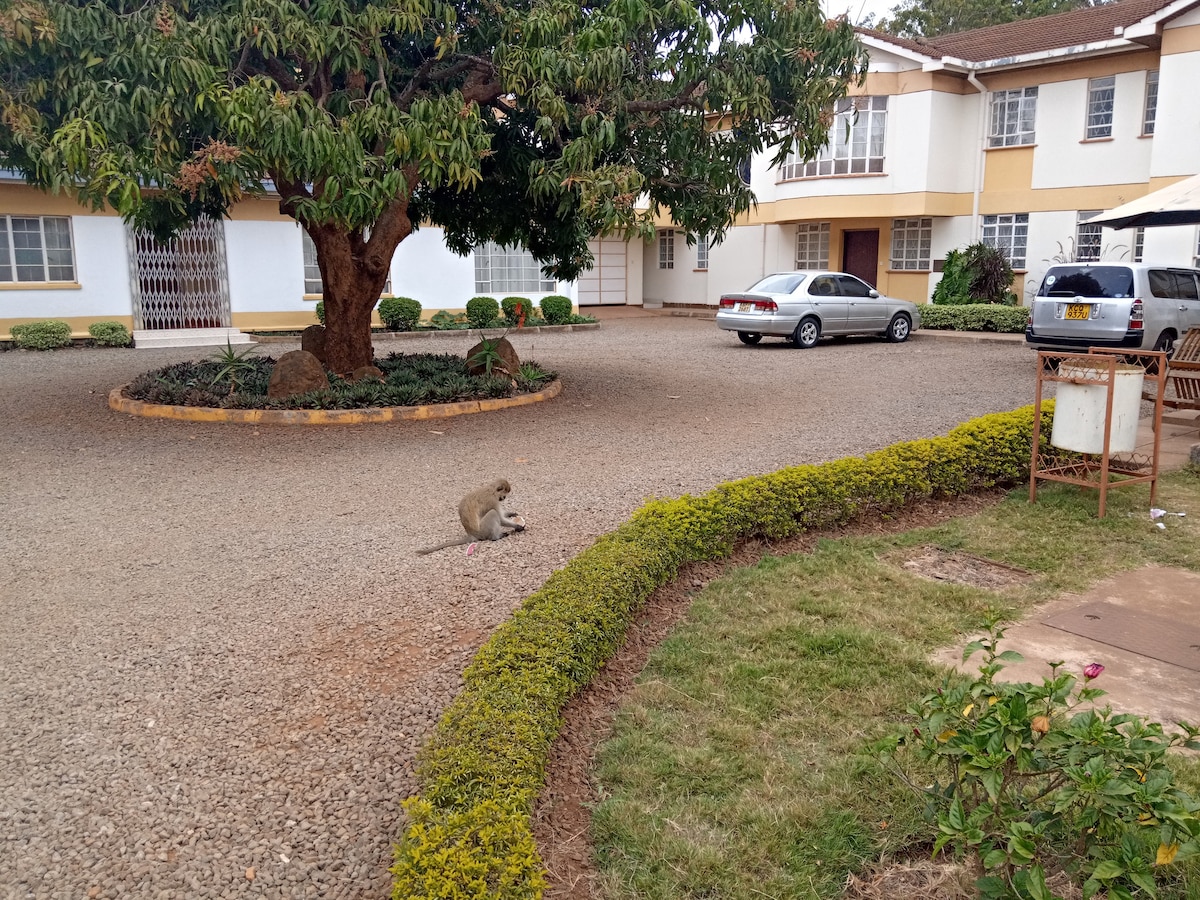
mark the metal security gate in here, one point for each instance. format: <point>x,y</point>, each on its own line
<point>183,283</point>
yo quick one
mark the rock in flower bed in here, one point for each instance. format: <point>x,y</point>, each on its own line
<point>407,380</point>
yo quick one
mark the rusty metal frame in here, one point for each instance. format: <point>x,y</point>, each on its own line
<point>1139,466</point>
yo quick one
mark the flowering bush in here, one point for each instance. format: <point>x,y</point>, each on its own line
<point>1032,783</point>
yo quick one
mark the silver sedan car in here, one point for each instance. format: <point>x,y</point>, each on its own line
<point>802,306</point>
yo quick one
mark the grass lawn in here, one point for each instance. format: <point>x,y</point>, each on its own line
<point>740,767</point>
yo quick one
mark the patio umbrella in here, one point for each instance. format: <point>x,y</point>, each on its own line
<point>1176,204</point>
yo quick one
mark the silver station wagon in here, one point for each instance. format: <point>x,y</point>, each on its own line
<point>803,306</point>
<point>1134,305</point>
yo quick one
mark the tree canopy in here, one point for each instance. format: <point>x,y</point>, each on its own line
<point>533,122</point>
<point>929,18</point>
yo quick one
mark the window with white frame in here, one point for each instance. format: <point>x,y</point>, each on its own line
<point>1013,114</point>
<point>312,270</point>
<point>508,270</point>
<point>1087,236</point>
<point>1100,107</point>
<point>812,245</point>
<point>856,142</point>
<point>702,253</point>
<point>1008,233</point>
<point>36,248</point>
<point>666,248</point>
<point>912,240</point>
<point>1139,243</point>
<point>1151,108</point>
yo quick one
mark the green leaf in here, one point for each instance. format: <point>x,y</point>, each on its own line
<point>1108,870</point>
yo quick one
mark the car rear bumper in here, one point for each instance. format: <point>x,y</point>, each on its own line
<point>1130,340</point>
<point>775,325</point>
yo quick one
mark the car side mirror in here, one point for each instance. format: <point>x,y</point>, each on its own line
<point>872,293</point>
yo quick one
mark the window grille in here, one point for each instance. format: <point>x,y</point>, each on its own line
<point>912,240</point>
<point>509,270</point>
<point>1100,107</point>
<point>812,245</point>
<point>1008,233</point>
<point>1012,119</point>
<point>702,253</point>
<point>1087,237</point>
<point>666,249</point>
<point>36,249</point>
<point>1151,106</point>
<point>856,142</point>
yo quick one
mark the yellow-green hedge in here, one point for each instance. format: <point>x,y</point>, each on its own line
<point>469,833</point>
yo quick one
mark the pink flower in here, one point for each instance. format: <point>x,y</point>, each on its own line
<point>1092,670</point>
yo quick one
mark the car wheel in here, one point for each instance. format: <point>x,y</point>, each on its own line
<point>1166,343</point>
<point>807,333</point>
<point>899,328</point>
<point>749,337</point>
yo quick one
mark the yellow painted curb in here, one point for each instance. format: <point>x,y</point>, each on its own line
<point>118,401</point>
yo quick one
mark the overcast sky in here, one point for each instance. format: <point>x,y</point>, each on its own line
<point>859,9</point>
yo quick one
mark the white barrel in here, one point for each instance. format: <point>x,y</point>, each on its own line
<point>1079,410</point>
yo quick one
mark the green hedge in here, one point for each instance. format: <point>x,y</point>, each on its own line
<point>975,317</point>
<point>49,334</point>
<point>468,834</point>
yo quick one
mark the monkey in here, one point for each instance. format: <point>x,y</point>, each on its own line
<point>483,516</point>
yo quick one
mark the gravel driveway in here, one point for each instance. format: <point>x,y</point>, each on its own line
<point>218,651</point>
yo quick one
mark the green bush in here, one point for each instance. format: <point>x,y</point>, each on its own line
<point>321,311</point>
<point>485,763</point>
<point>509,306</point>
<point>400,313</point>
<point>46,335</point>
<point>110,334</point>
<point>975,317</point>
<point>979,273</point>
<point>556,309</point>
<point>482,311</point>
<point>444,320</point>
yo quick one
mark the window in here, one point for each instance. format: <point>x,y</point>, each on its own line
<point>312,271</point>
<point>812,245</point>
<point>853,287</point>
<point>666,249</point>
<point>1087,237</point>
<point>702,253</point>
<point>856,140</point>
<point>911,242</point>
<point>1008,233</point>
<point>508,270</point>
<point>1100,107</point>
<point>1139,243</point>
<point>36,248</point>
<point>1151,102</point>
<point>1013,114</point>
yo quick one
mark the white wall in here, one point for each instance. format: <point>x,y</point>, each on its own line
<point>266,266</point>
<point>1177,124</point>
<point>101,269</point>
<point>954,145</point>
<point>429,273</point>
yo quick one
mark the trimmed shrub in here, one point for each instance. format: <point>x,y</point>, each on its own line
<point>482,311</point>
<point>110,334</point>
<point>484,765</point>
<point>46,335</point>
<point>444,320</point>
<point>975,317</point>
<point>978,273</point>
<point>556,309</point>
<point>400,313</point>
<point>321,311</point>
<point>509,307</point>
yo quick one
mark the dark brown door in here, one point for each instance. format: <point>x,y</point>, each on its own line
<point>860,254</point>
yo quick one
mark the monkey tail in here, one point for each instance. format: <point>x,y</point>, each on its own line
<point>457,543</point>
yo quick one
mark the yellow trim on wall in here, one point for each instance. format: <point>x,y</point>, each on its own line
<point>1053,199</point>
<point>1092,67</point>
<point>79,324</point>
<point>23,200</point>
<point>881,207</point>
<point>258,209</point>
<point>40,286</point>
<point>1181,40</point>
<point>913,286</point>
<point>1007,170</point>
<point>913,81</point>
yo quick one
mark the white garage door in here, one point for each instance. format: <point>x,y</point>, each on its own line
<point>604,282</point>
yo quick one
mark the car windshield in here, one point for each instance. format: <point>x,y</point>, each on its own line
<point>779,284</point>
<point>1108,282</point>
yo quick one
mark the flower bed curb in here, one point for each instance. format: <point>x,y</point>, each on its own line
<point>119,402</point>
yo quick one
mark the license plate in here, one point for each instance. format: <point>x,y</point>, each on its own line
<point>1078,311</point>
<point>745,307</point>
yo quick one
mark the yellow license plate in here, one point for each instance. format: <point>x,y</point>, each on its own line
<point>1078,311</point>
<point>749,307</point>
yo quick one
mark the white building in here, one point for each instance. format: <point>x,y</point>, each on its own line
<point>1013,135</point>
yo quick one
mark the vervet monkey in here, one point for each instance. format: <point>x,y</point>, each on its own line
<point>483,517</point>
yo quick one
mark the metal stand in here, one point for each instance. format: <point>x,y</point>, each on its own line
<point>1099,367</point>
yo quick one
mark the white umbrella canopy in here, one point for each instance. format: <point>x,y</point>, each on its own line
<point>1176,204</point>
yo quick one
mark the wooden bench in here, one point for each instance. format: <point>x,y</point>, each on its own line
<point>1182,392</point>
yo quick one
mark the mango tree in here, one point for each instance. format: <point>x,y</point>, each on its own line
<point>537,122</point>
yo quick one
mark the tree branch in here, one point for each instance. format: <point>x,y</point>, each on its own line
<point>686,97</point>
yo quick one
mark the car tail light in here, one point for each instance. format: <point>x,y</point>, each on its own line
<point>761,304</point>
<point>726,303</point>
<point>1136,315</point>
<point>766,305</point>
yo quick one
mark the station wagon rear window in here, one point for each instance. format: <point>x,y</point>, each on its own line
<point>779,284</point>
<point>1109,282</point>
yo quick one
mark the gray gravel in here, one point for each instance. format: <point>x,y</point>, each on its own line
<point>218,651</point>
